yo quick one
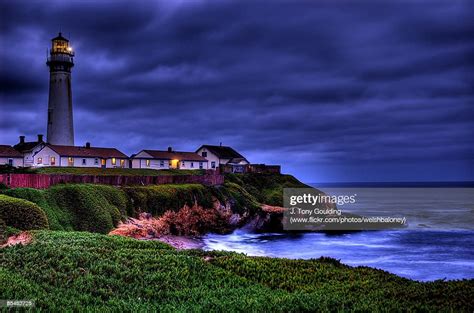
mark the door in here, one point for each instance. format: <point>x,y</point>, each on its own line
<point>103,163</point>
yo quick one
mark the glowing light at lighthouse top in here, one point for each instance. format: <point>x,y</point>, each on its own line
<point>61,45</point>
<point>61,55</point>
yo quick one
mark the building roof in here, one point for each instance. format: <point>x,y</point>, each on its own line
<point>237,160</point>
<point>92,152</point>
<point>175,155</point>
<point>9,152</point>
<point>26,146</point>
<point>60,37</point>
<point>223,152</point>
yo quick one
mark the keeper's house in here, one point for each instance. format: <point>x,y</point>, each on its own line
<point>223,156</point>
<point>73,156</point>
<point>29,148</point>
<point>169,159</point>
<point>9,156</point>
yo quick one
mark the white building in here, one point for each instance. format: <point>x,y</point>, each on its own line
<point>73,156</point>
<point>222,155</point>
<point>162,160</point>
<point>9,156</point>
<point>29,148</point>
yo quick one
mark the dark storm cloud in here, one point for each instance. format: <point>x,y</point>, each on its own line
<point>333,91</point>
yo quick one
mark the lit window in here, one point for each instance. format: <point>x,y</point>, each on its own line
<point>53,160</point>
<point>102,161</point>
<point>70,161</point>
<point>40,160</point>
<point>84,161</point>
<point>114,161</point>
<point>122,163</point>
<point>148,163</point>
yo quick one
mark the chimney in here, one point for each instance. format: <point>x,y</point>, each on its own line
<point>40,138</point>
<point>88,145</point>
<point>170,149</point>
<point>22,139</point>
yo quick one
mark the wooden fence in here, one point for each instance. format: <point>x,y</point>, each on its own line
<point>42,181</point>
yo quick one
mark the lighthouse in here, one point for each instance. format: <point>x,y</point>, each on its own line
<point>60,120</point>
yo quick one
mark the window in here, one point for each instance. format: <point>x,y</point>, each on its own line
<point>162,163</point>
<point>148,163</point>
<point>213,164</point>
<point>96,161</point>
<point>53,160</point>
<point>182,164</point>
<point>192,164</point>
<point>10,162</point>
<point>204,154</point>
<point>201,165</point>
<point>40,161</point>
<point>114,161</point>
<point>70,161</point>
<point>84,161</point>
<point>122,163</point>
<point>102,161</point>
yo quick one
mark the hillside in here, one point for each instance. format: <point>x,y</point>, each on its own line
<point>99,208</point>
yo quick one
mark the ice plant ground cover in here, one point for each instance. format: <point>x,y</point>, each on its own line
<point>74,270</point>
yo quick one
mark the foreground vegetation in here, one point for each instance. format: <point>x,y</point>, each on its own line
<point>76,270</point>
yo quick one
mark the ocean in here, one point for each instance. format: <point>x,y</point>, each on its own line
<point>438,242</point>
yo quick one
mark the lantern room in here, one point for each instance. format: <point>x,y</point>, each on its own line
<point>61,45</point>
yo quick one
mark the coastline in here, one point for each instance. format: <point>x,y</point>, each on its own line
<point>179,242</point>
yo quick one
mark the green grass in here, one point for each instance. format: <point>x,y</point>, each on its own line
<point>157,199</point>
<point>114,171</point>
<point>77,271</point>
<point>265,188</point>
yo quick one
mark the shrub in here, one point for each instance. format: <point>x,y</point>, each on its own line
<point>94,208</point>
<point>58,218</point>
<point>22,214</point>
<point>3,231</point>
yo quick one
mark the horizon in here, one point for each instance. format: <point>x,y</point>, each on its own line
<point>347,93</point>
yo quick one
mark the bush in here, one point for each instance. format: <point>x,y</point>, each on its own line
<point>58,218</point>
<point>94,208</point>
<point>22,214</point>
<point>3,231</point>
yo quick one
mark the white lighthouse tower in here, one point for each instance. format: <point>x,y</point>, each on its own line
<point>60,121</point>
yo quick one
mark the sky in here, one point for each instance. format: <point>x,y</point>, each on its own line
<point>334,91</point>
